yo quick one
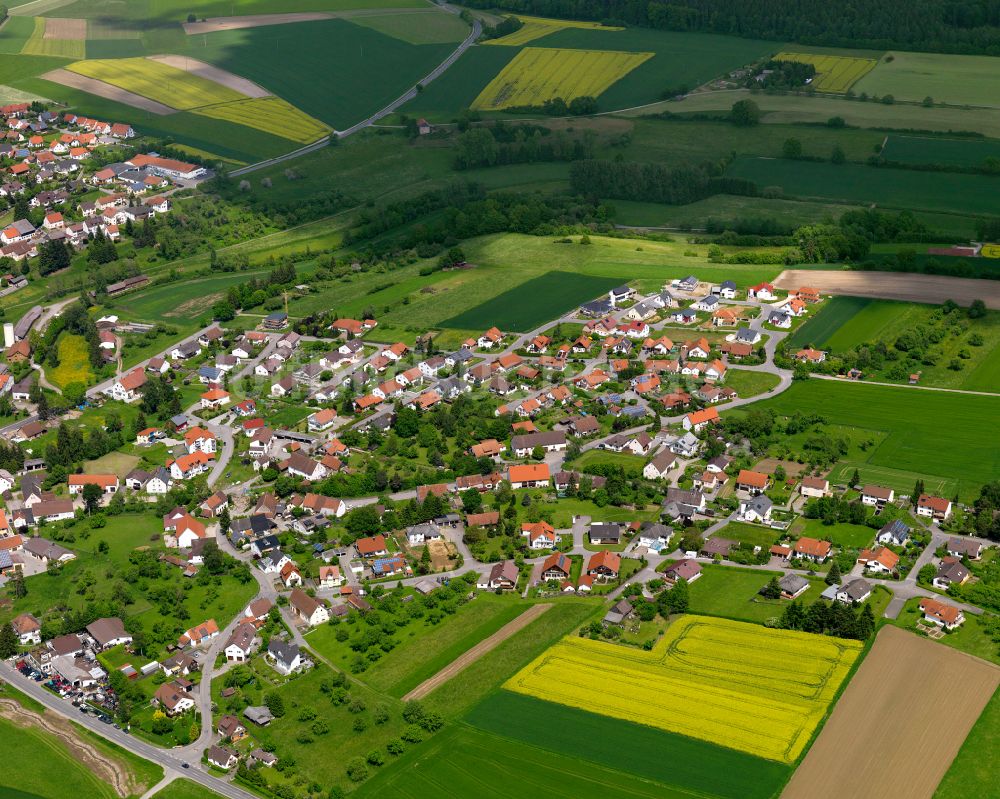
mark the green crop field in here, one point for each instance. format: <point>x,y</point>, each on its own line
<point>940,150</point>
<point>533,302</point>
<point>953,79</point>
<point>727,207</point>
<point>973,771</point>
<point>184,302</point>
<point>676,761</point>
<point>733,593</point>
<point>474,763</point>
<point>930,434</point>
<point>419,27</point>
<point>825,323</point>
<point>892,188</point>
<point>352,71</point>
<point>680,59</point>
<point>14,33</point>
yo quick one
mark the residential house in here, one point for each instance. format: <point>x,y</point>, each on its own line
<point>540,535</point>
<point>814,487</point>
<point>529,476</point>
<point>941,614</point>
<point>556,566</point>
<point>752,482</point>
<point>877,496</point>
<point>284,657</point>
<point>937,508</point>
<point>308,609</point>
<point>812,549</point>
<point>502,577</point>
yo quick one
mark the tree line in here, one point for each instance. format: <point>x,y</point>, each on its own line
<point>630,180</point>
<point>949,26</point>
<point>499,145</point>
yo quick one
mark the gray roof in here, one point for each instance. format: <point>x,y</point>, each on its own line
<point>856,590</point>
<point>605,531</point>
<point>793,583</point>
<point>282,652</point>
<point>760,504</point>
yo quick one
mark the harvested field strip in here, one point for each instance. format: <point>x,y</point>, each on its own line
<point>933,289</point>
<point>833,73</point>
<point>38,7</point>
<point>757,690</point>
<point>913,702</point>
<point>195,67</point>
<point>41,44</point>
<point>157,81</point>
<point>101,89</point>
<point>271,115</point>
<point>537,27</point>
<point>480,649</point>
<point>58,28</point>
<point>537,74</point>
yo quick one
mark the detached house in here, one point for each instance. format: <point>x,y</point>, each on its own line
<point>309,610</point>
<point>937,508</point>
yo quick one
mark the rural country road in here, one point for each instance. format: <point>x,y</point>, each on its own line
<point>439,70</point>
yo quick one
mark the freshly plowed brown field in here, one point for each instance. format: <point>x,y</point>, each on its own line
<point>899,724</point>
<point>934,289</point>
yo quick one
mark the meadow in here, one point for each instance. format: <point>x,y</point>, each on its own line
<point>733,593</point>
<point>74,362</point>
<point>676,761</point>
<point>920,150</point>
<point>833,73</point>
<point>929,434</point>
<point>421,26</point>
<point>842,534</point>
<point>271,115</point>
<point>182,302</point>
<point>858,183</point>
<point>37,44</point>
<point>184,789</point>
<point>753,534</point>
<point>844,322</point>
<point>749,384</point>
<point>539,74</point>
<point>954,79</point>
<point>973,771</point>
<point>354,70</point>
<point>534,302</point>
<point>157,81</point>
<point>761,691</point>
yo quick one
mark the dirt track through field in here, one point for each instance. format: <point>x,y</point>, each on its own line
<point>252,21</point>
<point>66,78</point>
<point>894,286</point>
<point>466,659</point>
<point>214,74</point>
<point>899,724</point>
<point>105,768</point>
<point>57,28</point>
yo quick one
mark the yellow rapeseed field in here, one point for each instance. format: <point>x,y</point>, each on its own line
<point>834,73</point>
<point>157,81</point>
<point>991,251</point>
<point>537,74</point>
<point>537,27</point>
<point>271,115</point>
<point>739,685</point>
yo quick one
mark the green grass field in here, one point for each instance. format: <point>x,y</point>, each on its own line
<point>183,302</point>
<point>418,27</point>
<point>750,384</point>
<point>972,637</point>
<point>678,762</point>
<point>940,150</point>
<point>753,534</point>
<point>851,536</point>
<point>354,70</point>
<point>973,771</point>
<point>891,188</point>
<point>930,434</point>
<point>533,303</point>
<point>732,593</point>
<point>184,789</point>
<point>828,321</point>
<point>953,79</point>
<point>784,109</point>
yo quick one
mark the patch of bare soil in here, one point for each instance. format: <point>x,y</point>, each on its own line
<point>106,768</point>
<point>214,74</point>
<point>469,657</point>
<point>899,724</point>
<point>251,21</point>
<point>894,286</point>
<point>66,78</point>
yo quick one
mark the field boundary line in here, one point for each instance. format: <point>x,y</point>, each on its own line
<point>905,385</point>
<point>469,657</point>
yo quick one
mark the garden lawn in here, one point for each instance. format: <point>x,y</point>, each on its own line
<point>645,752</point>
<point>932,434</point>
<point>753,534</point>
<point>732,593</point>
<point>842,535</point>
<point>593,457</point>
<point>424,649</point>
<point>973,771</point>
<point>74,362</point>
<point>750,384</point>
<point>889,188</point>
